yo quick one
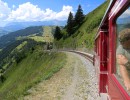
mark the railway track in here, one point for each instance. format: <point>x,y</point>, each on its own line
<point>103,96</point>
<point>86,55</point>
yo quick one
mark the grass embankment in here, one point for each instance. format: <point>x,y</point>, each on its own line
<point>84,35</point>
<point>35,67</point>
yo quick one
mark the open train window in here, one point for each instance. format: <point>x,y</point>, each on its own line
<point>123,49</point>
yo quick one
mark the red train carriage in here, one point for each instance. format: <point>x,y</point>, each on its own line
<point>107,41</point>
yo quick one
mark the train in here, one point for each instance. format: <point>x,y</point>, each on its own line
<point>107,41</point>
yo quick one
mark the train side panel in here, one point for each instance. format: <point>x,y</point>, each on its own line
<point>105,53</point>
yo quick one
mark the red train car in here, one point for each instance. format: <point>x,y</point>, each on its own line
<point>107,41</point>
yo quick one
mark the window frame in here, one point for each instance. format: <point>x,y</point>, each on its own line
<point>117,44</point>
<point>112,47</point>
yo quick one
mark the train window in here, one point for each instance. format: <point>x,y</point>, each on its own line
<point>123,49</point>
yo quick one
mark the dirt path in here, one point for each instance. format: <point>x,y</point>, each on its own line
<point>71,83</point>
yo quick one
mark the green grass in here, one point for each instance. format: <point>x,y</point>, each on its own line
<point>35,67</point>
<point>33,37</point>
<point>88,29</point>
<point>37,38</point>
<point>47,30</point>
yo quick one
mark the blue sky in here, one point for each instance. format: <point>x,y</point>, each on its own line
<point>42,10</point>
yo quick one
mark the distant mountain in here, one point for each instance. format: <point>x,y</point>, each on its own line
<point>3,32</point>
<point>123,20</point>
<point>14,26</point>
<point>10,28</point>
<point>37,23</point>
<point>9,38</point>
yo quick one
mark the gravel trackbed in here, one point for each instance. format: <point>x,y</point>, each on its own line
<point>75,81</point>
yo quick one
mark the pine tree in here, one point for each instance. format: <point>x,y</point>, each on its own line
<point>57,34</point>
<point>70,24</point>
<point>79,16</point>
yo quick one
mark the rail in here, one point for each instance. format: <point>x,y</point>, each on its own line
<point>90,57</point>
<point>86,55</point>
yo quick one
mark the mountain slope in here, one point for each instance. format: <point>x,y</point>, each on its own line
<point>29,32</point>
<point>36,66</point>
<point>11,37</point>
<point>84,35</point>
<point>16,52</point>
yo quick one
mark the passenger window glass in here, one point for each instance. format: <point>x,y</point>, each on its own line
<point>123,49</point>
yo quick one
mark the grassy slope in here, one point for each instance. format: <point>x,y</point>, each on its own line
<point>84,36</point>
<point>35,67</point>
<point>37,38</point>
<point>11,37</point>
<point>45,36</point>
<point>89,27</point>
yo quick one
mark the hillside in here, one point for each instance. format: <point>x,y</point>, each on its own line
<point>16,52</point>
<point>22,41</point>
<point>35,33</point>
<point>37,65</point>
<point>84,35</point>
<point>11,37</point>
<point>46,35</point>
<point>24,55</point>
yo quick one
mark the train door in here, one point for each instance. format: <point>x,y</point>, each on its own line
<point>103,61</point>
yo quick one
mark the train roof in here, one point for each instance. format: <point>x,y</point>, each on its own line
<point>104,21</point>
<point>112,2</point>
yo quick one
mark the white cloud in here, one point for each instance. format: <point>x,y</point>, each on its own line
<point>30,12</point>
<point>25,12</point>
<point>13,6</point>
<point>63,15</point>
<point>4,10</point>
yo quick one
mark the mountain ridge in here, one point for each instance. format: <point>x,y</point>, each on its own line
<point>15,26</point>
